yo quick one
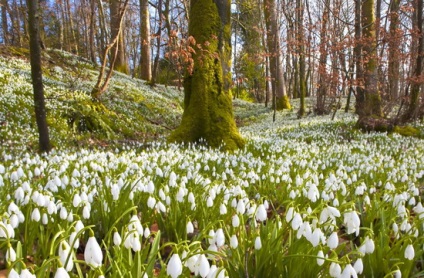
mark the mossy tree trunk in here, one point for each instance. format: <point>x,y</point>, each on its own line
<point>395,37</point>
<point>301,53</point>
<point>322,67</point>
<point>37,76</point>
<point>371,107</point>
<point>278,85</point>
<point>116,9</point>
<point>207,104</point>
<point>146,63</point>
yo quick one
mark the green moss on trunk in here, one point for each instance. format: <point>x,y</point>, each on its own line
<point>283,103</point>
<point>208,109</point>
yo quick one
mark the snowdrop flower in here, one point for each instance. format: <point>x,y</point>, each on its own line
<point>35,215</point>
<point>258,243</point>
<point>261,214</point>
<point>204,266</point>
<point>79,226</point>
<point>235,220</point>
<point>86,212</point>
<point>146,233</point>
<point>209,202</point>
<point>409,252</point>
<point>222,209</point>
<point>349,272</point>
<point>358,266</point>
<point>333,240</point>
<point>65,252</point>
<point>352,222</point>
<point>76,200</point>
<point>61,273</point>
<point>241,207</point>
<point>93,255</point>
<point>10,254</point>
<point>233,242</point>
<point>289,214</point>
<point>117,240</point>
<point>219,238</point>
<point>45,219</point>
<point>335,270</point>
<point>175,266</point>
<point>74,240</point>
<point>27,274</point>
<point>320,258</point>
<point>397,274</point>
<point>135,224</point>
<point>63,214</point>
<point>368,246</point>
<point>211,237</point>
<point>13,274</point>
<point>316,237</point>
<point>296,222</point>
<point>189,227</point>
<point>151,202</point>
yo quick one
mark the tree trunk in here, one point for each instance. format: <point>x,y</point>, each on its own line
<point>322,67</point>
<point>275,62</point>
<point>207,105</point>
<point>4,22</point>
<point>417,80</point>
<point>395,36</point>
<point>301,53</point>
<point>372,105</point>
<point>36,75</point>
<point>121,63</point>
<point>146,63</point>
<point>92,31</point>
<point>360,93</point>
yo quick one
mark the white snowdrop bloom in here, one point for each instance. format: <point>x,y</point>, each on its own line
<point>150,188</point>
<point>233,242</point>
<point>211,237</point>
<point>64,252</point>
<point>313,193</point>
<point>241,207</point>
<point>10,254</point>
<point>204,266</point>
<point>172,179</point>
<point>261,214</point>
<point>219,238</point>
<point>79,226</point>
<point>235,221</point>
<point>146,233</point>
<point>160,207</point>
<point>292,194</point>
<point>117,240</point>
<point>349,272</point>
<point>51,208</point>
<point>209,202</point>
<point>135,224</point>
<point>63,214</point>
<point>61,273</point>
<point>44,219</point>
<point>19,195</point>
<point>135,242</point>
<point>14,176</point>
<point>289,214</point>
<point>189,227</point>
<point>37,172</point>
<point>333,240</point>
<point>352,222</point>
<point>212,248</point>
<point>258,243</point>
<point>316,237</point>
<point>14,221</point>
<point>93,255</point>
<point>159,172</point>
<point>25,273</point>
<point>222,209</point>
<point>358,266</point>
<point>409,252</point>
<point>35,215</point>
<point>70,217</point>
<point>190,198</point>
<point>297,221</point>
<point>397,274</point>
<point>13,274</point>
<point>175,266</point>
<point>412,201</point>
<point>335,270</point>
<point>419,210</point>
<point>336,202</point>
<point>115,191</point>
<point>151,202</point>
<point>234,203</point>
<point>76,200</point>
<point>73,240</point>
<point>320,259</point>
<point>192,263</point>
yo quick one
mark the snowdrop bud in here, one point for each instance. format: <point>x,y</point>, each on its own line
<point>335,270</point>
<point>320,259</point>
<point>135,242</point>
<point>63,213</point>
<point>175,266</point>
<point>219,238</point>
<point>333,240</point>
<point>261,214</point>
<point>35,215</point>
<point>349,272</point>
<point>86,212</point>
<point>64,252</point>
<point>13,274</point>
<point>73,240</point>
<point>76,200</point>
<point>204,266</point>
<point>10,254</point>
<point>358,266</point>
<point>151,202</point>
<point>223,209</point>
<point>289,214</point>
<point>258,243</point>
<point>79,226</point>
<point>61,273</point>
<point>27,274</point>
<point>14,221</point>
<point>93,255</point>
<point>234,242</point>
<point>209,202</point>
<point>189,227</point>
<point>146,232</point>
<point>409,252</point>
<point>45,219</point>
<point>117,240</point>
<point>370,246</point>
<point>397,274</point>
<point>235,220</point>
<point>241,208</point>
<point>296,222</point>
<point>70,217</point>
<point>211,238</point>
